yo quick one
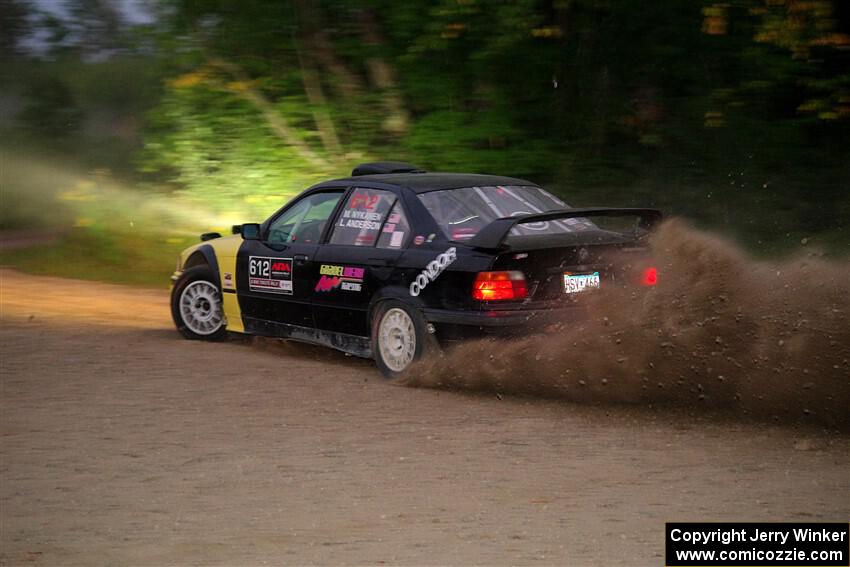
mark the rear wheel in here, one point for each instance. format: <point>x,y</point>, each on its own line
<point>196,305</point>
<point>400,337</point>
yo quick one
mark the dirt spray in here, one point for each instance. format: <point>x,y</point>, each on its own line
<point>721,330</point>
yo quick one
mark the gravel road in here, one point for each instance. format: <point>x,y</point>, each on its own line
<point>123,444</point>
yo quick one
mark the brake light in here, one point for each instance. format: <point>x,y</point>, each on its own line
<point>499,286</point>
<point>649,277</point>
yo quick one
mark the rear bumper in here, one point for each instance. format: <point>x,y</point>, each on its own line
<point>502,318</point>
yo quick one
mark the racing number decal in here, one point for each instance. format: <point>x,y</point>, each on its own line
<point>272,275</point>
<point>364,201</point>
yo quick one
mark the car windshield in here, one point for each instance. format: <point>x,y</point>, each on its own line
<point>461,213</point>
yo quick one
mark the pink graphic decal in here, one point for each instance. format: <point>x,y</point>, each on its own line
<point>328,283</point>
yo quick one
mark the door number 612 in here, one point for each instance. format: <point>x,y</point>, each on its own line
<point>259,267</point>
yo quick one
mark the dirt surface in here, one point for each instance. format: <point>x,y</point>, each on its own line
<point>123,444</point>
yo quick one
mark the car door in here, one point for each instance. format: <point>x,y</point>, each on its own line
<point>370,231</point>
<point>276,274</point>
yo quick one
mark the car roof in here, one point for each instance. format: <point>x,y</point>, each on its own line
<point>425,182</point>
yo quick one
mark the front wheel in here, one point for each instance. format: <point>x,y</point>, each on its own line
<point>400,337</point>
<point>196,305</point>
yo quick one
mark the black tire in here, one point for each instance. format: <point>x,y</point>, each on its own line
<point>424,342</point>
<point>203,281</point>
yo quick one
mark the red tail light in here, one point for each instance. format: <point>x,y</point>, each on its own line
<point>499,286</point>
<point>649,277</point>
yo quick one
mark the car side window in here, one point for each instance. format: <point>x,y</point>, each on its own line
<point>305,221</point>
<point>362,217</point>
<point>396,231</point>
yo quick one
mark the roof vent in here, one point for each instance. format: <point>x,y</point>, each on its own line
<point>380,167</point>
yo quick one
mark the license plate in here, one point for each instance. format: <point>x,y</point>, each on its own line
<point>575,283</point>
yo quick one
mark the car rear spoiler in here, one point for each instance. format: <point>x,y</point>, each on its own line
<point>492,236</point>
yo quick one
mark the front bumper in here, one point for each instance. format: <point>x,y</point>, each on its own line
<point>174,277</point>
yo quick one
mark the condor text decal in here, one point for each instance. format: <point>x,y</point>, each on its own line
<point>432,270</point>
<point>347,278</point>
<point>272,275</point>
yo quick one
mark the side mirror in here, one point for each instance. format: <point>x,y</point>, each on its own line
<point>250,231</point>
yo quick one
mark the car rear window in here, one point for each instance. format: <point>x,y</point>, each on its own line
<point>461,213</point>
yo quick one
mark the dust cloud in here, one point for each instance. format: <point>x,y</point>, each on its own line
<point>722,331</point>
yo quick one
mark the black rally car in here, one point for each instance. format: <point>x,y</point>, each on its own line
<point>393,261</point>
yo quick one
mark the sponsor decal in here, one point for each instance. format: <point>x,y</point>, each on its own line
<point>539,225</point>
<point>348,278</point>
<point>272,275</point>
<point>396,239</point>
<point>434,268</point>
<point>326,283</point>
<point>227,281</point>
<point>364,239</point>
<point>344,271</point>
<point>463,233</point>
<point>418,240</point>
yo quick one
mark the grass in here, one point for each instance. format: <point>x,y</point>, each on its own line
<point>110,230</point>
<point>136,259</point>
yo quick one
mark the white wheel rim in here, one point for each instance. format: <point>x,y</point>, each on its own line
<point>397,339</point>
<point>200,308</point>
